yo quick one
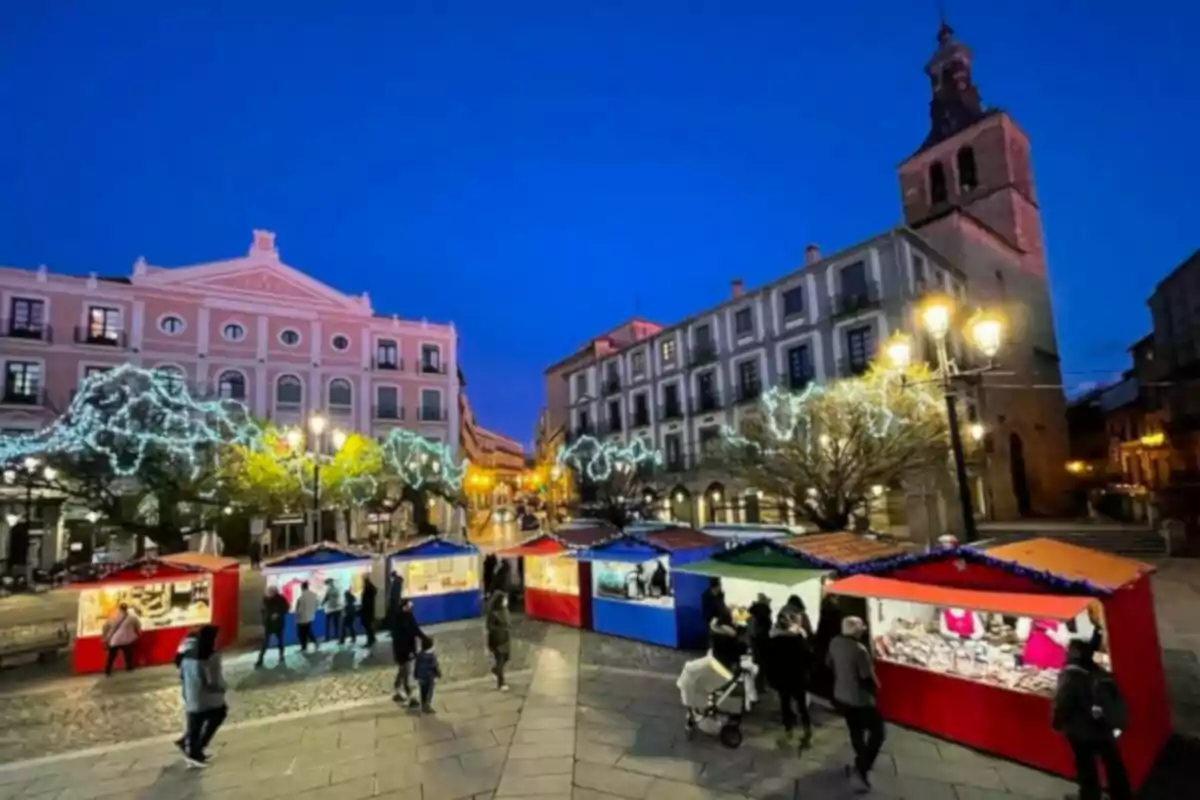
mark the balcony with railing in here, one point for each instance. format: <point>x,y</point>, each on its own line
<point>103,337</point>
<point>611,385</point>
<point>21,396</point>
<point>387,412</point>
<point>612,425</point>
<point>430,368</point>
<point>853,367</point>
<point>701,353</point>
<point>852,300</point>
<point>30,331</point>
<point>706,403</point>
<point>580,431</point>
<point>640,419</point>
<point>670,411</point>
<point>433,414</point>
<point>390,364</point>
<point>749,391</point>
<point>797,383</point>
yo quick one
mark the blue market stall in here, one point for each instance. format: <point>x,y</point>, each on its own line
<point>634,592</point>
<point>315,564</point>
<point>440,577</point>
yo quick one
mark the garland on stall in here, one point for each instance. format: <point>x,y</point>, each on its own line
<point>127,413</point>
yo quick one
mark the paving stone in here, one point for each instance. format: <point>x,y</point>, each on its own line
<point>604,755</point>
<point>529,785</point>
<point>455,747</point>
<point>678,769</point>
<point>971,793</point>
<point>537,736</point>
<point>1032,783</point>
<point>562,765</point>
<point>484,759</point>
<point>565,747</point>
<point>612,780</point>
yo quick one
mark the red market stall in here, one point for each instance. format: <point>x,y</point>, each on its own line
<point>169,594</point>
<point>558,588</point>
<point>969,643</point>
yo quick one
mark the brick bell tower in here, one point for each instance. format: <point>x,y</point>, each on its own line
<point>969,191</point>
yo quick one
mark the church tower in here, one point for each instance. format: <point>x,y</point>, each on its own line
<point>969,191</point>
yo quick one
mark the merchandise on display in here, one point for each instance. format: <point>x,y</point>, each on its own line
<point>995,657</point>
<point>424,577</point>
<point>634,583</point>
<point>157,605</point>
<point>552,574</point>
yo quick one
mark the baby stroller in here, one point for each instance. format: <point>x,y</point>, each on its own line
<point>716,698</point>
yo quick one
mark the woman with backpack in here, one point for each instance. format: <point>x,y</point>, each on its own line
<point>1089,711</point>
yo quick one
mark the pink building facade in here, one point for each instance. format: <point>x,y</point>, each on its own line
<point>250,328</point>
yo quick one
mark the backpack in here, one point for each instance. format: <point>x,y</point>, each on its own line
<point>1106,695</point>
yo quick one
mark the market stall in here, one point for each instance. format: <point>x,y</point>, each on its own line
<point>170,595</point>
<point>559,588</point>
<point>440,577</point>
<point>314,565</point>
<point>633,590</point>
<point>969,644</point>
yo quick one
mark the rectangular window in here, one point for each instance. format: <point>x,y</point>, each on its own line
<point>104,325</point>
<point>793,302</point>
<point>854,279</point>
<point>703,336</point>
<point>431,404</point>
<point>22,381</point>
<point>431,358</point>
<point>387,402</point>
<point>673,451</point>
<point>641,410</point>
<point>387,355</point>
<point>706,391</point>
<point>667,349</point>
<point>743,322</point>
<point>710,440</point>
<point>749,386</point>
<point>637,363</point>
<point>799,365</point>
<point>918,270</point>
<point>610,373</point>
<point>27,318</point>
<point>614,415</point>
<point>671,407</point>
<point>860,348</point>
<point>90,371</point>
<point>585,421</point>
<point>581,386</point>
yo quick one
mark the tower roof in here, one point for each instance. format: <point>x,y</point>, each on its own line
<point>955,104</point>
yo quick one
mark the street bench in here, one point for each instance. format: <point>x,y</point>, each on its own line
<point>42,641</point>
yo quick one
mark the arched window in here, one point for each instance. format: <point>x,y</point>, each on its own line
<point>967,178</point>
<point>231,386</point>
<point>937,183</point>
<point>340,393</point>
<point>288,391</point>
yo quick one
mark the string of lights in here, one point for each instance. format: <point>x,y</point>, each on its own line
<point>596,460</point>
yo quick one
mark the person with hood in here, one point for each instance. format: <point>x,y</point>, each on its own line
<point>203,687</point>
<point>426,670</point>
<point>854,690</point>
<point>760,636</point>
<point>306,611</point>
<point>727,646</point>
<point>789,659</point>
<point>796,606</point>
<point>367,609</point>
<point>120,635</point>
<point>405,633</point>
<point>499,640</point>
<point>1089,712</point>
<point>332,605</point>
<point>660,585</point>
<point>274,615</point>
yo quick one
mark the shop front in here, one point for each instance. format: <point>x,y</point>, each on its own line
<point>440,577</point>
<point>969,644</point>
<point>314,565</point>
<point>558,588</point>
<point>170,595</point>
<point>634,592</point>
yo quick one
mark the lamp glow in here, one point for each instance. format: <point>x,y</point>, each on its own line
<point>50,473</point>
<point>339,439</point>
<point>987,332</point>
<point>11,519</point>
<point>295,438</point>
<point>935,316</point>
<point>976,430</point>
<point>899,351</point>
<point>93,516</point>
<point>317,424</point>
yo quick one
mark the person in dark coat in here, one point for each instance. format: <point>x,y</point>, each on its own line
<point>405,633</point>
<point>712,601</point>
<point>1084,704</point>
<point>796,606</point>
<point>367,609</point>
<point>274,614</point>
<point>788,662</point>
<point>499,638</point>
<point>829,627</point>
<point>727,646</point>
<point>489,572</point>
<point>501,578</point>
<point>760,636</point>
<point>660,586</point>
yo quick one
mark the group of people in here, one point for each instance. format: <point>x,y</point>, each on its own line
<point>344,612</point>
<point>833,661</point>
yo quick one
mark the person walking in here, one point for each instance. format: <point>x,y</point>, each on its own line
<point>789,659</point>
<point>367,609</point>
<point>854,689</point>
<point>332,604</point>
<point>120,635</point>
<point>306,612</point>
<point>426,670</point>
<point>405,633</point>
<point>203,686</point>
<point>1090,713</point>
<point>274,616</point>
<point>499,640</point>
<point>255,552</point>
<point>489,572</point>
<point>349,618</point>
<point>760,627</point>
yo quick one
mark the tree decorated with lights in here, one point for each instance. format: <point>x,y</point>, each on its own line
<point>610,476</point>
<point>421,469</point>
<point>138,448</point>
<point>830,447</point>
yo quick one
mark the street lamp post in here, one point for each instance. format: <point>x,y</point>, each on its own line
<point>986,332</point>
<point>317,424</point>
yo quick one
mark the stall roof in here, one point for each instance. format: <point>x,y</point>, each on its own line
<point>782,576</point>
<point>839,550</point>
<point>560,541</point>
<point>316,555</point>
<point>204,561</point>
<point>1071,562</point>
<point>1060,607</point>
<point>672,539</point>
<point>625,548</point>
<point>433,547</point>
<point>144,570</point>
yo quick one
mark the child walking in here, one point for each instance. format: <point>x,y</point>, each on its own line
<point>427,671</point>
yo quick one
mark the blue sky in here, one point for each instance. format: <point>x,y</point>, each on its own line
<point>539,171</point>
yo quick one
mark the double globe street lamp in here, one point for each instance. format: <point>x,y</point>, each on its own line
<point>319,449</point>
<point>984,330</point>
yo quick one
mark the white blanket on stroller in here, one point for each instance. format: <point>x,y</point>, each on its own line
<point>699,679</point>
